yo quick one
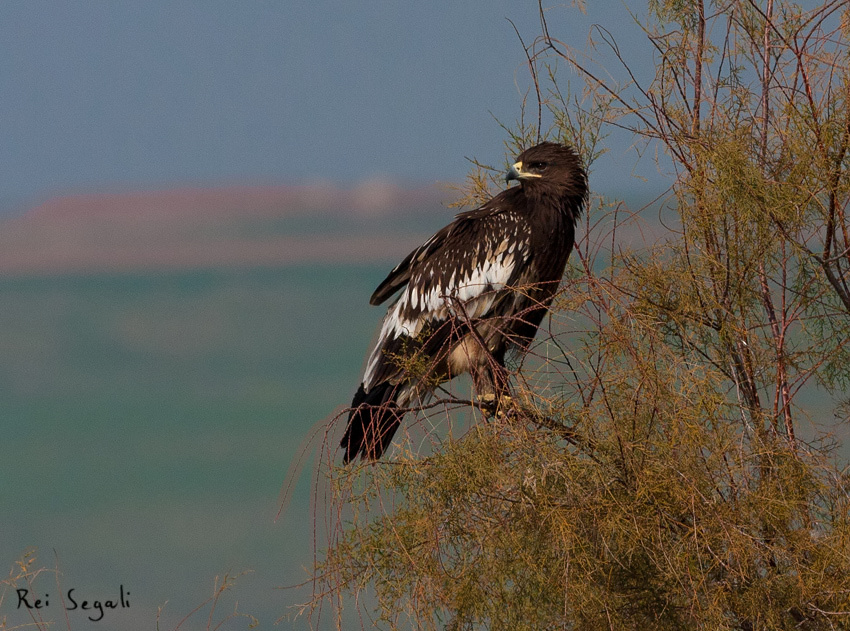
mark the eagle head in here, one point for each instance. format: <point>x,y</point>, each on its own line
<point>552,170</point>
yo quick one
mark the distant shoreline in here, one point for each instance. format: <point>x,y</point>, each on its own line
<point>218,227</point>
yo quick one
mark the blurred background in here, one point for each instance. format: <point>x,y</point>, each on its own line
<point>196,201</point>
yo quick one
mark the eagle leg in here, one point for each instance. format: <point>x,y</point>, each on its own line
<point>493,386</point>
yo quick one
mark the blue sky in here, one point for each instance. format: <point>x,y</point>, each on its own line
<point>119,95</point>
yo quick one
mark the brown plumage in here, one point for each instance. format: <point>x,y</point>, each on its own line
<point>477,288</point>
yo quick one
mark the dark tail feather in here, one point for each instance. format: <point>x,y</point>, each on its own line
<point>372,422</point>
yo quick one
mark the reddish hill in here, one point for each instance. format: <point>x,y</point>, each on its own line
<point>370,197</point>
<point>196,227</point>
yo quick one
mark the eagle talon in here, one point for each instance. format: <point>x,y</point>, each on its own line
<point>488,404</point>
<point>494,408</point>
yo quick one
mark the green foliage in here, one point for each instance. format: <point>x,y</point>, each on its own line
<point>656,470</point>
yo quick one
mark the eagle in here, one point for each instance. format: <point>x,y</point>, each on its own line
<point>478,288</point>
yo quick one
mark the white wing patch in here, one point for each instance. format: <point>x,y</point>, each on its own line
<point>477,292</point>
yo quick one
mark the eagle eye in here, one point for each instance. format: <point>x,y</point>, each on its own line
<point>537,166</point>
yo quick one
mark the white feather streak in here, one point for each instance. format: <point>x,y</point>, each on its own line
<point>477,292</point>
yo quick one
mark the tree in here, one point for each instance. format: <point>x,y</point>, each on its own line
<point>660,467</point>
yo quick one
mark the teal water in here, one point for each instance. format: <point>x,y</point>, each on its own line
<point>148,422</point>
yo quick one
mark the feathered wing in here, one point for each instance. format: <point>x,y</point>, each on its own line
<point>464,272</point>
<point>400,274</point>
